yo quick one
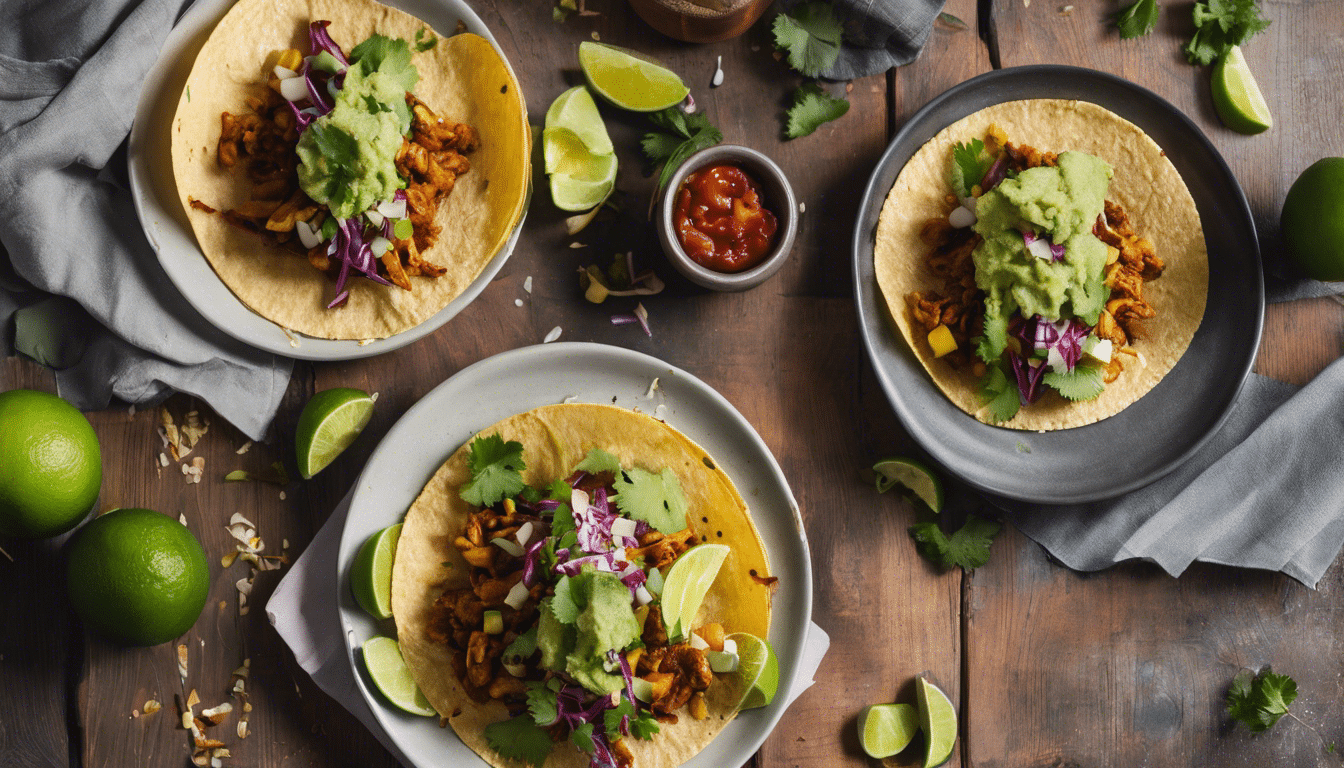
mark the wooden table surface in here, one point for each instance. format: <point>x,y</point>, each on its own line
<point>1048,667</point>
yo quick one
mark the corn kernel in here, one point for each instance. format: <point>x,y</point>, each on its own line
<point>941,341</point>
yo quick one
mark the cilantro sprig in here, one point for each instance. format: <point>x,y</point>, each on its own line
<point>520,738</point>
<point>496,471</point>
<point>970,163</point>
<point>810,35</point>
<point>812,108</point>
<point>1258,700</point>
<point>1137,19</point>
<point>681,136</point>
<point>968,547</point>
<point>654,498</point>
<point>1221,24</point>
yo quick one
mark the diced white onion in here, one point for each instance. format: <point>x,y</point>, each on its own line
<point>623,526</point>
<point>379,246</point>
<point>294,88</point>
<point>375,218</point>
<point>1056,361</point>
<point>524,533</point>
<point>578,501</point>
<point>395,209</point>
<point>722,662</point>
<point>517,670</point>
<point>307,235</point>
<point>642,595</point>
<point>284,73</point>
<point>729,645</point>
<point>961,217</point>
<point>1040,248</point>
<point>1101,351</point>
<point>698,642</point>
<point>508,546</point>
<point>517,596</point>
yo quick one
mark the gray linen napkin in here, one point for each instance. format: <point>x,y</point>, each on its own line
<point>80,287</point>
<point>879,34</point>
<point>1265,492</point>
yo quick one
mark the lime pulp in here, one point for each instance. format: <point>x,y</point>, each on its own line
<point>628,80</point>
<point>886,729</point>
<point>757,670</point>
<point>330,422</point>
<point>1237,97</point>
<point>684,589</point>
<point>913,475</point>
<point>938,720</point>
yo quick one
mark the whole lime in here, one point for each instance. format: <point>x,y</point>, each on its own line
<point>50,465</point>
<point>137,577</point>
<point>1313,220</point>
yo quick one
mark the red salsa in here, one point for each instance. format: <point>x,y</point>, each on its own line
<point>720,221</point>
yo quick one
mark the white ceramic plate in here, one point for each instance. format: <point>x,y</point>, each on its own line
<point>169,232</point>
<point>522,379</point>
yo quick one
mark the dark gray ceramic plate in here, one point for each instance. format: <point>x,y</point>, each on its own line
<point>1154,435</point>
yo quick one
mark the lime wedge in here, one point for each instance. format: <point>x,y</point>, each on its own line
<point>576,111</point>
<point>1236,96</point>
<point>757,674</point>
<point>938,719</point>
<point>382,657</point>
<point>684,589</point>
<point>371,573</point>
<point>571,194</point>
<point>628,80</point>
<point>885,729</point>
<point>914,476</point>
<point>330,422</point>
<point>566,154</point>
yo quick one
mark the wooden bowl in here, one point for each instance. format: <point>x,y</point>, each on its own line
<point>694,23</point>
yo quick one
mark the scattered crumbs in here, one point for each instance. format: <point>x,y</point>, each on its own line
<point>374,397</point>
<point>553,335</point>
<point>578,245</point>
<point>570,399</point>
<point>717,80</point>
<point>130,410</point>
<point>284,543</point>
<point>366,342</point>
<point>182,670</point>
<point>1023,447</point>
<point>849,87</point>
<point>802,207</point>
<point>755,48</point>
<point>777,55</point>
<point>293,340</point>
<point>517,302</point>
<point>195,470</point>
<point>527,284</point>
<point>182,518</point>
<point>244,448</point>
<point>659,411</point>
<point>1066,10</point>
<point>1026,3</point>
<point>653,387</point>
<point>163,459</point>
<point>282,495</point>
<point>596,36</point>
<point>135,713</point>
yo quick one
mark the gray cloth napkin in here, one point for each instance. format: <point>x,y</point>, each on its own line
<point>81,290</point>
<point>1265,492</point>
<point>879,34</point>
<point>306,618</point>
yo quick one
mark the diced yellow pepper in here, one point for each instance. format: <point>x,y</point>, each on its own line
<point>941,341</point>
<point>290,59</point>
<point>1112,253</point>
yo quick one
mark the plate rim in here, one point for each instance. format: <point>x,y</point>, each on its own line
<point>874,317</point>
<point>363,495</point>
<point>221,308</point>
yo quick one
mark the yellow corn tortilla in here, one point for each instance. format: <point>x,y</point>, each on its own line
<point>555,438</point>
<point>1145,184</point>
<point>462,78</point>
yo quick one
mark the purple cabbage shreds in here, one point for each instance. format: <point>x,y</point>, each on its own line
<point>642,527</point>
<point>628,675</point>
<point>349,247</point>
<point>600,500</point>
<point>1056,252</point>
<point>548,505</point>
<point>319,40</point>
<point>633,577</point>
<point>602,757</point>
<point>995,174</point>
<point>575,710</point>
<point>605,561</point>
<point>302,117</point>
<point>1028,378</point>
<point>1070,343</point>
<point>532,560</point>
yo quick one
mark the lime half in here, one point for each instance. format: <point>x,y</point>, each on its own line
<point>628,80</point>
<point>938,719</point>
<point>885,729</point>
<point>371,573</point>
<point>684,589</point>
<point>913,475</point>
<point>577,151</point>
<point>757,672</point>
<point>575,111</point>
<point>382,657</point>
<point>330,422</point>
<point>1236,96</point>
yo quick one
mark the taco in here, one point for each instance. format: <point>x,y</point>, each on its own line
<point>348,172</point>
<point>1045,262</point>
<point>527,591</point>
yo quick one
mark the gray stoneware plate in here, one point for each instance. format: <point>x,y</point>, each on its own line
<point>1166,426</point>
<point>521,379</point>
<point>168,231</point>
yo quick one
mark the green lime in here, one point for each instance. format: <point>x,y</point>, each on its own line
<point>330,422</point>
<point>629,80</point>
<point>1236,96</point>
<point>684,589</point>
<point>912,475</point>
<point>50,465</point>
<point>371,573</point>
<point>137,577</point>
<point>757,674</point>
<point>572,194</point>
<point>1313,219</point>
<point>382,657</point>
<point>885,729</point>
<point>575,111</point>
<point>938,720</point>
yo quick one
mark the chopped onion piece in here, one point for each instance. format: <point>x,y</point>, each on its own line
<point>524,533</point>
<point>1039,248</point>
<point>643,596</point>
<point>623,526</point>
<point>393,210</point>
<point>517,596</point>
<point>284,73</point>
<point>729,645</point>
<point>379,246</point>
<point>722,661</point>
<point>375,218</point>
<point>294,88</point>
<point>517,670</point>
<point>508,546</point>
<point>307,235</point>
<point>960,217</point>
<point>698,642</point>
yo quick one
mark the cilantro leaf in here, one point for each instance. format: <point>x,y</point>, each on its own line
<point>541,700</point>
<point>389,56</point>
<point>1137,19</point>
<point>598,461</point>
<point>655,499</point>
<point>813,107</point>
<point>1259,700</point>
<point>1084,382</point>
<point>811,36</point>
<point>1221,24</point>
<point>519,738</point>
<point>644,726</point>
<point>999,393</point>
<point>683,135</point>
<point>611,719</point>
<point>424,40</point>
<point>582,738</point>
<point>968,547</point>
<point>496,470</point>
<point>969,165</point>
<point>563,606</point>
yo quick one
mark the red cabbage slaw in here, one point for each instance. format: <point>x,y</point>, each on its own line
<point>1037,334</point>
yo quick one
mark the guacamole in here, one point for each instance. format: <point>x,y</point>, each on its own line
<point>1060,205</point>
<point>605,622</point>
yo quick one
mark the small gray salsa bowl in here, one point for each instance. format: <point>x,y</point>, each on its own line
<point>776,197</point>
